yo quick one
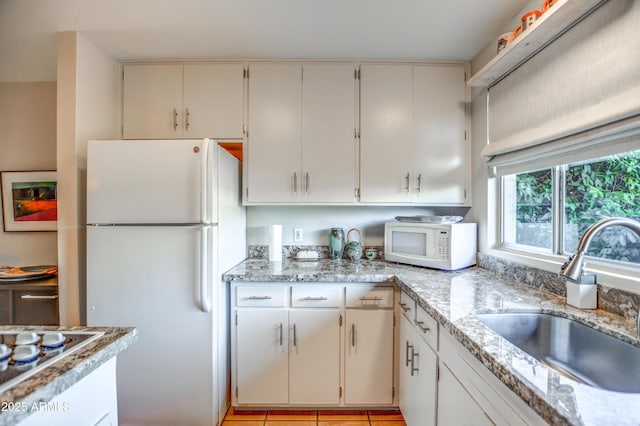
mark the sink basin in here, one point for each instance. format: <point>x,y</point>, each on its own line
<point>572,349</point>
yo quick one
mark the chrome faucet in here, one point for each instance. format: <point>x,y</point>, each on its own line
<point>572,269</point>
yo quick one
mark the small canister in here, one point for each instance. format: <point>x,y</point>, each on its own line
<point>504,40</point>
<point>547,4</point>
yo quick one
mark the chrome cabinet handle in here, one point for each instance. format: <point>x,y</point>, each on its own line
<point>175,120</point>
<point>259,297</point>
<point>295,182</point>
<point>314,298</point>
<point>370,298</point>
<point>419,183</point>
<point>295,340</point>
<point>280,334</point>
<point>422,327</point>
<point>408,179</point>
<point>186,118</point>
<point>353,335</point>
<point>404,307</point>
<point>413,358</point>
<point>407,357</point>
<point>306,182</point>
<point>36,297</point>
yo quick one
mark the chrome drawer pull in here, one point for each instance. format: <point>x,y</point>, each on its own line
<point>413,358</point>
<point>29,296</point>
<point>314,298</point>
<point>259,297</point>
<point>370,298</point>
<point>422,327</point>
<point>404,306</point>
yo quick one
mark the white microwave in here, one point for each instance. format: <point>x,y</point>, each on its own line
<point>434,245</point>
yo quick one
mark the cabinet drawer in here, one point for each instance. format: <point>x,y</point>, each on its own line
<point>427,328</point>
<point>369,296</point>
<point>36,307</point>
<point>261,295</point>
<point>315,296</point>
<point>407,306</point>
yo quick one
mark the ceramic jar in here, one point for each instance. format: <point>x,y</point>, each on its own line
<point>336,243</point>
<point>353,249</point>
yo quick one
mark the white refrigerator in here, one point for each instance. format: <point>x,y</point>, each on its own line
<point>164,221</point>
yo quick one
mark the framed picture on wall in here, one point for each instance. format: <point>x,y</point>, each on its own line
<point>29,201</point>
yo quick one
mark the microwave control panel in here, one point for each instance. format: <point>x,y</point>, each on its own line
<point>443,244</point>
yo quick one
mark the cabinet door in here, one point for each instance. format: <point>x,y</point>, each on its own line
<point>440,157</point>
<point>418,383</point>
<point>386,147</point>
<point>213,101</point>
<point>407,392</point>
<point>35,307</point>
<point>274,140</point>
<point>5,307</point>
<point>152,102</point>
<point>369,357</point>
<point>328,133</point>
<point>261,356</point>
<point>455,405</point>
<point>314,357</point>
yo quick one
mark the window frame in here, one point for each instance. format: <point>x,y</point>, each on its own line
<point>625,275</point>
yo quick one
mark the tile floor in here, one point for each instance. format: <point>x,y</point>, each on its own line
<point>313,418</point>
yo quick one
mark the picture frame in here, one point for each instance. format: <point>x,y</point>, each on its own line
<point>29,201</point>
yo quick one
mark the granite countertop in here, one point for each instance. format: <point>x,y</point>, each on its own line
<point>45,384</point>
<point>452,298</point>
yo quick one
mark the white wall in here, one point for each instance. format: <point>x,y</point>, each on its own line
<point>483,194</point>
<point>88,108</point>
<point>317,220</point>
<point>27,142</point>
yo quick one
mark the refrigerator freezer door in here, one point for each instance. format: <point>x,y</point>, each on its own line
<point>151,181</point>
<point>149,278</point>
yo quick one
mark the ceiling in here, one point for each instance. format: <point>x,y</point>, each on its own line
<point>242,29</point>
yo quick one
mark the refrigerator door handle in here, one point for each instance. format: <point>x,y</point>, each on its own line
<point>204,180</point>
<point>205,302</point>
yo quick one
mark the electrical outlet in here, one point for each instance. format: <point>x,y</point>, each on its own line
<point>297,235</point>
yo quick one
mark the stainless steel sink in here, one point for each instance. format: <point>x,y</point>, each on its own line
<point>573,349</point>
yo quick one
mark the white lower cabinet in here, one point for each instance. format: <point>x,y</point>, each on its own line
<point>418,380</point>
<point>324,345</point>
<point>455,404</point>
<point>369,355</point>
<point>90,401</point>
<point>314,357</point>
<point>262,356</point>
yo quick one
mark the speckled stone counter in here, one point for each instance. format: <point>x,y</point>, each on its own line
<point>45,384</point>
<point>453,298</point>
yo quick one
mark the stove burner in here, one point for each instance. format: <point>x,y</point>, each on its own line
<point>19,360</point>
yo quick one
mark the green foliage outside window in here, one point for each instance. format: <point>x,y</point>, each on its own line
<point>606,188</point>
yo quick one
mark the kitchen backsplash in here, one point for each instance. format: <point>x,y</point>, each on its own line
<point>612,300</point>
<point>262,251</point>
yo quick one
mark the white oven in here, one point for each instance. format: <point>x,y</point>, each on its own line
<point>434,245</point>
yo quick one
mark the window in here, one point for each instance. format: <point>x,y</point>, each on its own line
<point>548,210</point>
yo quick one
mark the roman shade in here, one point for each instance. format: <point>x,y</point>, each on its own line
<point>580,93</point>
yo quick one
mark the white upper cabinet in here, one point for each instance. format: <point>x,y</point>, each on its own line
<point>301,136</point>
<point>152,102</point>
<point>328,133</point>
<point>414,146</point>
<point>175,101</point>
<point>214,100</point>
<point>440,148</point>
<point>386,135</point>
<point>274,133</point>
